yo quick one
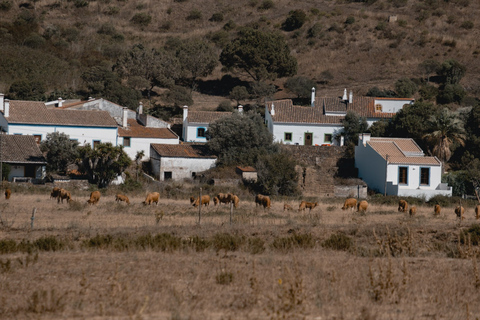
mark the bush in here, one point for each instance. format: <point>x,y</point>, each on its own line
<point>295,20</point>
<point>227,242</point>
<point>467,25</point>
<point>5,5</point>
<point>350,20</point>
<point>256,245</point>
<point>48,243</point>
<point>8,246</point>
<point>81,3</point>
<point>301,241</point>
<point>142,19</point>
<point>339,242</point>
<point>216,17</point>
<point>230,25</point>
<point>194,15</point>
<point>405,88</point>
<point>224,277</point>
<point>225,105</point>
<point>315,31</point>
<point>473,232</point>
<point>266,4</point>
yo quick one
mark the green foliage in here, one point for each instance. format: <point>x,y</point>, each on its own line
<point>34,41</point>
<point>103,163</point>
<point>451,93</point>
<point>60,151</point>
<point>378,128</point>
<point>379,93</point>
<point>230,25</point>
<point>6,169</point>
<point>300,241</point>
<point>8,246</point>
<point>48,243</point>
<point>178,96</point>
<point>295,20</point>
<point>428,92</point>
<point>266,5</point>
<point>350,20</point>
<point>262,90</point>
<point>27,89</point>
<point>239,93</point>
<point>468,25</point>
<point>353,125</point>
<point>315,31</point>
<point>240,139</point>
<point>80,3</point>
<point>5,5</point>
<point>216,17</point>
<point>256,245</point>
<point>451,71</point>
<point>405,88</point>
<point>276,174</point>
<point>195,14</point>
<point>339,241</point>
<point>301,86</point>
<point>227,242</point>
<point>225,105</point>
<point>142,19</point>
<point>262,55</point>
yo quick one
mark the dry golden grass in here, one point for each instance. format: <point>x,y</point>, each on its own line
<point>394,267</point>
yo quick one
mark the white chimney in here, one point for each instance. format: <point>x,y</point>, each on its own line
<point>125,118</point>
<point>273,110</point>
<point>2,97</point>
<point>363,138</point>
<point>342,141</point>
<point>313,97</point>
<point>185,113</point>
<point>240,109</point>
<point>60,102</point>
<point>345,98</point>
<point>7,108</point>
<point>350,97</point>
<point>140,108</point>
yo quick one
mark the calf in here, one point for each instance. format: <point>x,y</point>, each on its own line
<point>460,211</point>
<point>436,209</point>
<point>413,211</point>
<point>362,206</point>
<point>8,193</point>
<point>402,206</point>
<point>121,197</point>
<point>151,198</point>
<point>205,201</point>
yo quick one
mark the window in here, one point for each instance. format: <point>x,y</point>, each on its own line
<point>327,138</point>
<point>424,176</point>
<point>288,136</point>
<point>95,143</point>
<point>403,175</point>
<point>38,138</point>
<point>126,141</point>
<point>201,133</point>
<point>378,108</point>
<point>167,175</point>
<point>194,174</point>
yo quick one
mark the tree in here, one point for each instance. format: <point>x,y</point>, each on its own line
<point>295,20</point>
<point>451,93</point>
<point>405,88</point>
<point>445,130</point>
<point>353,125</point>
<point>262,55</point>
<point>60,151</point>
<point>138,163</point>
<point>103,163</point>
<point>379,93</point>
<point>240,139</point>
<point>33,90</point>
<point>451,71</point>
<point>239,93</point>
<point>301,86</point>
<point>427,67</point>
<point>276,174</point>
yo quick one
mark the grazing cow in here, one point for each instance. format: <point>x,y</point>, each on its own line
<point>311,205</point>
<point>302,206</point>
<point>215,201</point>
<point>259,199</point>
<point>205,201</point>
<point>225,197</point>
<point>266,203</point>
<point>460,211</point>
<point>287,207</point>
<point>8,193</point>
<point>152,197</point>
<point>64,194</point>
<point>350,203</point>
<point>236,201</point>
<point>192,199</point>
<point>362,206</point>
<point>94,197</point>
<point>402,206</point>
<point>121,197</point>
<point>412,211</point>
<point>55,192</point>
<point>436,209</point>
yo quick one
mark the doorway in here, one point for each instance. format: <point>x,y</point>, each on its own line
<point>308,139</point>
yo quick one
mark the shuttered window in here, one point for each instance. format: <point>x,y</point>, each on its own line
<point>403,175</point>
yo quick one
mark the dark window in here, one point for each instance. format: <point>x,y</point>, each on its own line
<point>425,176</point>
<point>167,175</point>
<point>194,174</point>
<point>38,138</point>
<point>201,132</point>
<point>288,136</point>
<point>95,143</point>
<point>328,137</point>
<point>126,141</point>
<point>403,175</point>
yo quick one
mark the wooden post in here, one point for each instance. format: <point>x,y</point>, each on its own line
<point>199,205</point>
<point>358,191</point>
<point>33,217</point>
<point>386,175</point>
<point>231,212</point>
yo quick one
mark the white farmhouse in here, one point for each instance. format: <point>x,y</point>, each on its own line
<point>321,122</point>
<point>397,166</point>
<point>196,123</point>
<point>34,118</point>
<point>177,162</point>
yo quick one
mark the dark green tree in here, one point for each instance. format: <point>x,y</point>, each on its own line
<point>405,88</point>
<point>103,163</point>
<point>239,93</point>
<point>240,139</point>
<point>276,174</point>
<point>295,20</point>
<point>429,67</point>
<point>451,71</point>
<point>301,86</point>
<point>262,55</point>
<point>60,151</point>
<point>379,93</point>
<point>451,93</point>
<point>33,90</point>
<point>353,125</point>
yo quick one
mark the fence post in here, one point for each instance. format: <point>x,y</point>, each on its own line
<point>33,217</point>
<point>199,205</point>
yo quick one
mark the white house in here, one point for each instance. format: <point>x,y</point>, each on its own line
<point>397,166</point>
<point>321,122</point>
<point>34,118</point>
<point>177,162</point>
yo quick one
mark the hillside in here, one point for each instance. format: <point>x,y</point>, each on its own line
<point>341,44</point>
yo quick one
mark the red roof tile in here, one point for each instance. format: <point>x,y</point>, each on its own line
<point>136,130</point>
<point>20,149</point>
<point>182,151</point>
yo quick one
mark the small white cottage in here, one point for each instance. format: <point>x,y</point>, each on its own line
<point>397,166</point>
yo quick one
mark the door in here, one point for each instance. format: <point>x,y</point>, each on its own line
<point>308,139</point>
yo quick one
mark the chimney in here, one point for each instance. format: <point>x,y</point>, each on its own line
<point>2,98</point>
<point>185,113</point>
<point>91,98</point>
<point>350,97</point>
<point>345,98</point>
<point>272,112</point>
<point>240,109</point>
<point>313,97</point>
<point>7,108</point>
<point>140,108</point>
<point>60,102</point>
<point>125,118</point>
<point>363,138</point>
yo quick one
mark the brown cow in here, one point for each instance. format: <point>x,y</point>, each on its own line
<point>362,206</point>
<point>477,211</point>
<point>225,197</point>
<point>55,192</point>
<point>215,201</point>
<point>259,199</point>
<point>192,199</point>
<point>307,205</point>
<point>350,203</point>
<point>287,207</point>
<point>152,197</point>
<point>8,193</point>
<point>94,197</point>
<point>436,209</point>
<point>266,202</point>
<point>64,194</point>
<point>302,206</point>
<point>121,197</point>
<point>205,201</point>
<point>460,211</point>
<point>402,206</point>
<point>412,211</point>
<point>236,201</point>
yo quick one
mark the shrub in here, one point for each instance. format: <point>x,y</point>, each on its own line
<point>315,31</point>
<point>107,28</point>
<point>350,20</point>
<point>253,3</point>
<point>216,17</point>
<point>227,242</point>
<point>99,241</point>
<point>5,5</point>
<point>224,277</point>
<point>266,4</point>
<point>141,19</point>
<point>48,243</point>
<point>34,41</point>
<point>225,105</point>
<point>81,3</point>
<point>302,241</point>
<point>256,245</point>
<point>230,25</point>
<point>405,88</point>
<point>8,246</point>
<point>194,15</point>
<point>339,242</point>
<point>467,25</point>
<point>295,20</point>
<point>473,232</point>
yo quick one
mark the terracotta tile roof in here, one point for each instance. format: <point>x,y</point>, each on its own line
<point>34,112</point>
<point>136,130</point>
<point>247,169</point>
<point>21,149</point>
<point>401,151</point>
<point>206,116</point>
<point>182,151</point>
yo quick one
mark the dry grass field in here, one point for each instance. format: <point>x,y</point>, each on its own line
<point>114,261</point>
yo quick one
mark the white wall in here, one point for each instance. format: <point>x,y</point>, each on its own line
<point>190,132</point>
<point>414,176</point>
<point>298,133</point>
<point>139,144</point>
<point>182,168</point>
<point>371,167</point>
<point>83,135</point>
<point>16,171</point>
<point>392,105</point>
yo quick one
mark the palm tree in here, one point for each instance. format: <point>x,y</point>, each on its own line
<point>445,129</point>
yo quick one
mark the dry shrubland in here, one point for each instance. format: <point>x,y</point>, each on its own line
<point>114,260</point>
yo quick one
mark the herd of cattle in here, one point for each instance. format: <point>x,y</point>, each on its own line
<point>260,200</point>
